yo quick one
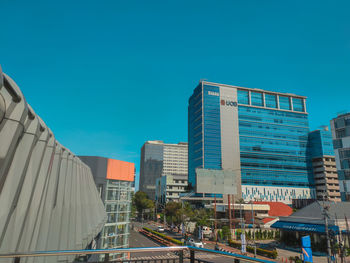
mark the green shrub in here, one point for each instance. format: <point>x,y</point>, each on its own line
<point>262,252</point>
<point>226,232</point>
<point>173,240</point>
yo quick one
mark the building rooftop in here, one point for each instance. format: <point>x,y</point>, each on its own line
<point>163,143</point>
<point>277,208</point>
<point>313,212</point>
<point>253,89</point>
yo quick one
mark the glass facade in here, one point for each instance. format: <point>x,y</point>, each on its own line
<point>257,99</point>
<point>341,144</point>
<point>273,139</point>
<point>195,134</point>
<point>117,200</point>
<point>151,168</point>
<point>273,147</point>
<point>298,104</point>
<point>271,101</point>
<point>284,103</point>
<point>320,143</point>
<point>212,131</point>
<point>243,96</point>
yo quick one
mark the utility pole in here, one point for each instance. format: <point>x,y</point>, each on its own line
<point>325,217</point>
<point>182,219</point>
<point>241,201</point>
<point>340,241</point>
<point>164,218</point>
<point>253,216</point>
<point>215,224</point>
<point>229,212</point>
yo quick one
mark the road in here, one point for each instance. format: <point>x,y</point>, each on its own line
<point>139,240</point>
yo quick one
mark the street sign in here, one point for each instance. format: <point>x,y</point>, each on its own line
<point>306,248</point>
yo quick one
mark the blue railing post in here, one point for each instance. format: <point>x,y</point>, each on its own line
<point>17,260</point>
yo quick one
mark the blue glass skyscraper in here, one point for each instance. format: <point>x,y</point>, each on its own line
<point>261,134</point>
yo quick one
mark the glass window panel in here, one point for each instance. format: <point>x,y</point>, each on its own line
<point>256,98</point>
<point>270,100</point>
<point>298,104</point>
<point>243,97</point>
<point>284,103</point>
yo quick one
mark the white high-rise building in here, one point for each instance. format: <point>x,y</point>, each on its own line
<point>164,171</point>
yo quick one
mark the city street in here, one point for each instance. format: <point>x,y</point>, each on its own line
<point>139,240</point>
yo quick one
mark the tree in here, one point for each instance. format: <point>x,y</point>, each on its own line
<point>173,212</point>
<point>202,216</point>
<point>142,202</point>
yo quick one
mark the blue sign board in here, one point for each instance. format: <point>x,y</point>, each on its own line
<point>303,227</point>
<point>306,248</point>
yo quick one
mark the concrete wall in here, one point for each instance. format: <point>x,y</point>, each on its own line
<point>48,197</point>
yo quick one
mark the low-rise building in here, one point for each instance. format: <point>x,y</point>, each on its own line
<point>115,181</point>
<point>310,220</point>
<point>169,188</point>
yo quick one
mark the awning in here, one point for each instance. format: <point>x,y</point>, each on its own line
<point>303,227</point>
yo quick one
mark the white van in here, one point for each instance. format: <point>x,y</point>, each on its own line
<point>207,232</point>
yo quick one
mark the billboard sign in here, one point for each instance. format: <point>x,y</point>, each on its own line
<point>217,181</point>
<point>120,170</point>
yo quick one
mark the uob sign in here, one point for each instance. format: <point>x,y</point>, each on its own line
<point>229,103</point>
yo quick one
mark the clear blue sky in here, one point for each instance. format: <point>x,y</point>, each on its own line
<point>108,75</point>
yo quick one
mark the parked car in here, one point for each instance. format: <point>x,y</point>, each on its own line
<point>160,229</point>
<point>193,243</point>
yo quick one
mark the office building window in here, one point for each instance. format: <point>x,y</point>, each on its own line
<point>243,97</point>
<point>257,99</point>
<point>337,143</point>
<point>284,103</point>
<point>298,105</point>
<point>271,101</point>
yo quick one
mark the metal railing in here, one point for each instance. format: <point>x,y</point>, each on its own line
<point>181,254</point>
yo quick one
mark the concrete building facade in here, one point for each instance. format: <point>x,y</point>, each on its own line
<point>48,199</point>
<point>163,173</point>
<point>323,165</point>
<point>340,127</point>
<point>261,136</point>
